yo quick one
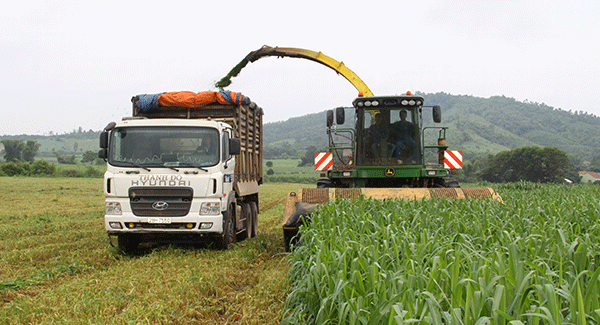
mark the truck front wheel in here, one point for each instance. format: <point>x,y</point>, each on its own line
<point>128,243</point>
<point>228,235</point>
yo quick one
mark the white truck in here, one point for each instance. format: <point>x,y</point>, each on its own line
<point>184,172</point>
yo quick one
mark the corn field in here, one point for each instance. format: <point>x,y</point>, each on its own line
<point>534,259</point>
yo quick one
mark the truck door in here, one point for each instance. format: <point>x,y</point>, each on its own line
<point>228,161</point>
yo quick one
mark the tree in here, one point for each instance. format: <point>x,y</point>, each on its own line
<point>269,164</point>
<point>309,156</point>
<point>70,160</point>
<point>13,150</point>
<point>595,163</point>
<point>18,150</point>
<point>534,164</point>
<point>89,156</point>
<point>30,151</point>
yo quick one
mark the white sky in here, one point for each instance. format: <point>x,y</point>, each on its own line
<point>71,64</point>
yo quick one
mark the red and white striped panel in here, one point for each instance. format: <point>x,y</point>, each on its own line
<point>323,160</point>
<point>452,159</point>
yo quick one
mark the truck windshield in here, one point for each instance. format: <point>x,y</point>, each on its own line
<point>164,147</point>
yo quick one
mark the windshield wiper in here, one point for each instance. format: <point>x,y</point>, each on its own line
<point>136,165</point>
<point>192,166</point>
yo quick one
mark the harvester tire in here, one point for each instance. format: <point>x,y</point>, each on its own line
<point>448,182</point>
<point>324,183</point>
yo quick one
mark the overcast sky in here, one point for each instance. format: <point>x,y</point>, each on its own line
<point>71,64</point>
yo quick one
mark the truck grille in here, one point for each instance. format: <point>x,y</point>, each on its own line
<point>161,201</point>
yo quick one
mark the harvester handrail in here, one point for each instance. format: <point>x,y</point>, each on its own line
<point>338,133</point>
<point>332,147</point>
<point>442,135</point>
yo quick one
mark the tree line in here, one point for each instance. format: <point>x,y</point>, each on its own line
<point>19,159</point>
<point>532,164</point>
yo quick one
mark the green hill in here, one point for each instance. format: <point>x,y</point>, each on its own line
<point>476,126</point>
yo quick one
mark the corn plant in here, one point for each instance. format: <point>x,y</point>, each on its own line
<point>531,260</point>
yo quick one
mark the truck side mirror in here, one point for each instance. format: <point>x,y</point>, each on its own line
<point>437,114</point>
<point>329,118</point>
<point>234,146</point>
<point>104,139</point>
<point>104,135</point>
<point>103,153</point>
<point>340,116</point>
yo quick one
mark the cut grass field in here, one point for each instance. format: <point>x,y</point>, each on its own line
<point>58,267</point>
<point>287,171</point>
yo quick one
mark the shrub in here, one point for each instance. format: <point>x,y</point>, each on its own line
<point>92,172</point>
<point>42,167</point>
<point>70,173</point>
<point>12,168</point>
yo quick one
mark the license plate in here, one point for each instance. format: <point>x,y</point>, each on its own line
<point>159,220</point>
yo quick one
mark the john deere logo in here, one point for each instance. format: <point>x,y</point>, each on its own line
<point>389,172</point>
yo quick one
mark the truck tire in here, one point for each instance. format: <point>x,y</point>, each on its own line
<point>254,213</point>
<point>128,243</point>
<point>247,222</point>
<point>228,236</point>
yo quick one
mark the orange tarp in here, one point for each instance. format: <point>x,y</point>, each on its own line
<point>187,99</point>
<point>192,99</point>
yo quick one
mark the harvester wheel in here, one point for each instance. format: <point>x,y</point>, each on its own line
<point>324,183</point>
<point>447,182</point>
<point>254,213</point>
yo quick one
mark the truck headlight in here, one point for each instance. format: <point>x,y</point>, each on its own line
<point>210,208</point>
<point>113,208</point>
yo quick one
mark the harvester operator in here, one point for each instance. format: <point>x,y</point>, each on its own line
<point>402,138</point>
<point>380,133</point>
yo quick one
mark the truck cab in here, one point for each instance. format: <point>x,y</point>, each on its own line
<point>183,179</point>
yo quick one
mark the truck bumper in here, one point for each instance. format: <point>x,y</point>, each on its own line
<point>127,223</point>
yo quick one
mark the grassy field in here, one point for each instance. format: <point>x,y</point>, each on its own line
<point>58,267</point>
<point>287,171</point>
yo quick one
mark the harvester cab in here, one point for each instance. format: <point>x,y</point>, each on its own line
<point>387,146</point>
